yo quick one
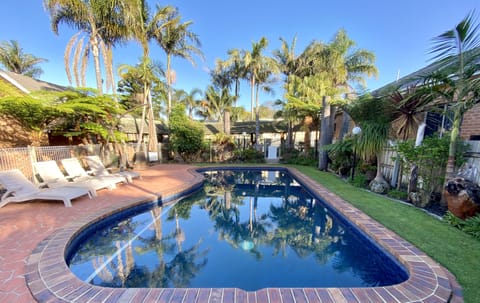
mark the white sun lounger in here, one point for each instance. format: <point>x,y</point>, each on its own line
<point>74,169</point>
<point>20,189</point>
<point>97,167</point>
<point>52,176</point>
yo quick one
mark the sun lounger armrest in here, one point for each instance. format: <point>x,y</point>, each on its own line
<point>7,194</point>
<point>42,185</point>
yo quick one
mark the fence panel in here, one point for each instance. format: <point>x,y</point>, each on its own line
<point>388,164</point>
<point>19,157</point>
<point>57,153</point>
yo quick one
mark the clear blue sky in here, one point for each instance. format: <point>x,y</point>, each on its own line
<point>398,32</point>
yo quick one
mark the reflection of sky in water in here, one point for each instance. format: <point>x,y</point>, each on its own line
<point>247,230</point>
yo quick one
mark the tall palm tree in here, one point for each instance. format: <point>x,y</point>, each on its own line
<point>286,58</point>
<point>99,24</point>
<point>14,59</point>
<point>457,51</point>
<point>265,74</point>
<point>189,99</point>
<point>143,27</point>
<point>235,68</point>
<point>177,40</point>
<point>345,66</point>
<point>220,75</point>
<point>253,61</point>
<point>218,106</point>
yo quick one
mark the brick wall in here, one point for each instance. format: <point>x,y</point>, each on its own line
<point>471,123</point>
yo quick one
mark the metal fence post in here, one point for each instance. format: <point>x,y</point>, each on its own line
<point>32,157</point>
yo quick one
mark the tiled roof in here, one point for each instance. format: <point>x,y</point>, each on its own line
<point>131,125</point>
<point>28,84</point>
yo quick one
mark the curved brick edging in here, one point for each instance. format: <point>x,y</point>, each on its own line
<point>50,280</point>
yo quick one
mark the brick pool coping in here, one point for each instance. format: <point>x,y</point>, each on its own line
<point>50,280</point>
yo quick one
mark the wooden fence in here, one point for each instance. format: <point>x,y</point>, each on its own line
<point>389,167</point>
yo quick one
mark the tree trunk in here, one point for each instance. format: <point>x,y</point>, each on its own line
<point>252,93</point>
<point>307,122</point>
<point>226,122</point>
<point>450,169</point>
<point>144,110</point>
<point>169,87</point>
<point>326,133</point>
<point>290,135</point>
<point>96,62</point>
<point>345,125</point>
<point>257,121</point>
<point>152,128</point>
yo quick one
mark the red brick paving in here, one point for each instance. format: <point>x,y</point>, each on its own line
<point>25,253</point>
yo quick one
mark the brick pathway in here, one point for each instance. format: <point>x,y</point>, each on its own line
<point>24,226</point>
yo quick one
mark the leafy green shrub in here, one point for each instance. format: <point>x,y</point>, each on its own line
<point>397,194</point>
<point>341,154</point>
<point>250,155</point>
<point>186,137</point>
<point>470,226</point>
<point>431,159</point>
<point>294,156</point>
<point>359,180</point>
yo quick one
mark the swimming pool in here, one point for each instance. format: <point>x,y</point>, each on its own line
<point>249,229</point>
<point>50,280</point>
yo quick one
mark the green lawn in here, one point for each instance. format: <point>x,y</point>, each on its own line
<point>455,250</point>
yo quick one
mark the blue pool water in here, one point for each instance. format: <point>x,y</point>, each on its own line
<point>246,229</point>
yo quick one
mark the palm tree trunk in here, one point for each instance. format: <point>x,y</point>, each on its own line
<point>144,111</point>
<point>96,61</point>
<point>324,133</point>
<point>307,122</point>
<point>252,85</point>
<point>169,87</point>
<point>450,169</point>
<point>257,121</point>
<point>152,128</point>
<point>226,122</point>
<point>345,125</point>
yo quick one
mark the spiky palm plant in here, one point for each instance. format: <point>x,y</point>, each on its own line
<point>456,80</point>
<point>14,59</point>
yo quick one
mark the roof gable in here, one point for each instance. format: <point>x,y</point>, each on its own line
<point>27,84</point>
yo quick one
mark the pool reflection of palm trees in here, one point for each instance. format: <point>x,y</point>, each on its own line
<point>289,225</point>
<point>292,222</point>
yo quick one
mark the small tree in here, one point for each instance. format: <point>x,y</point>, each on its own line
<point>186,136</point>
<point>431,158</point>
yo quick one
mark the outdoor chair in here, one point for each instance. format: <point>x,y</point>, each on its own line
<point>96,166</point>
<point>20,189</point>
<point>52,176</point>
<point>75,170</point>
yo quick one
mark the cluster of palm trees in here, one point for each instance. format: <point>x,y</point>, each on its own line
<point>105,24</point>
<point>323,71</point>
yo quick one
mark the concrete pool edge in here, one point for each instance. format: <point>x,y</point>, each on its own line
<point>50,280</point>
